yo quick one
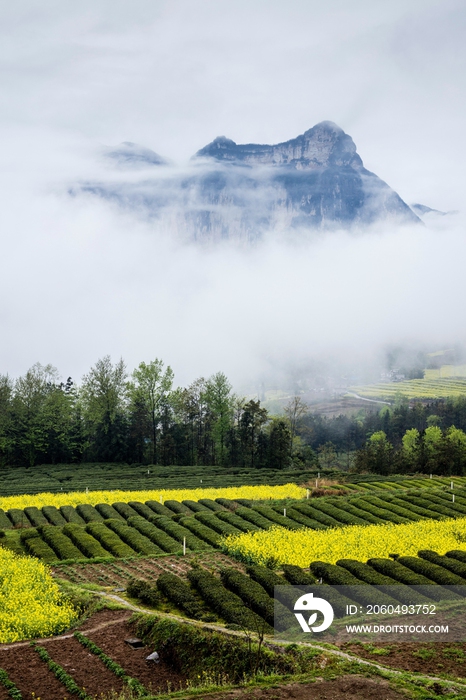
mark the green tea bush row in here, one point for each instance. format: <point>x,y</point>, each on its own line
<point>389,506</point>
<point>60,673</point>
<point>399,501</point>
<point>254,517</point>
<point>453,565</point>
<point>298,577</point>
<point>125,510</point>
<point>273,516</point>
<point>107,511</point>
<point>178,532</point>
<point>141,589</point>
<point>36,516</point>
<point>195,506</point>
<point>136,540</point>
<point>366,573</point>
<point>256,597</point>
<point>336,575</point>
<point>245,502</point>
<point>179,593</point>
<point>220,526</point>
<point>40,549</point>
<point>71,515</point>
<point>267,578</point>
<point>54,516</point>
<point>227,503</point>
<point>13,690</point>
<point>237,521</point>
<point>210,504</point>
<point>202,531</point>
<point>458,554</point>
<point>340,515</point>
<point>88,513</point>
<point>431,506</point>
<point>177,507</point>
<point>59,542</point>
<point>304,520</point>
<point>316,514</point>
<point>370,513</point>
<point>457,507</point>
<point>112,665</point>
<point>155,534</point>
<point>109,540</point>
<point>158,508</point>
<point>141,509</point>
<point>18,517</point>
<point>5,521</point>
<point>225,603</point>
<point>87,544</point>
<point>433,571</point>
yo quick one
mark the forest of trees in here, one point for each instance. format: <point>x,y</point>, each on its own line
<point>113,416</point>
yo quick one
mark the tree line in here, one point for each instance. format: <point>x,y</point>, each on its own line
<point>139,418</point>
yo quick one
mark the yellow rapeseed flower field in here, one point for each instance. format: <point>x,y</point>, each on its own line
<point>301,547</point>
<point>75,498</point>
<point>31,604</point>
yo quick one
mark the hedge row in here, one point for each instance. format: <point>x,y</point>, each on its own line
<point>178,532</point>
<point>367,574</point>
<point>298,577</point>
<point>256,597</point>
<point>254,517</point>
<point>107,511</point>
<point>446,562</point>
<point>88,513</point>
<point>132,683</point>
<point>391,508</point>
<point>54,516</point>
<point>179,593</point>
<point>272,515</point>
<point>433,571</point>
<point>202,531</point>
<point>88,545</point>
<point>340,515</point>
<point>71,515</point>
<point>38,548</point>
<point>60,543</point>
<point>227,503</point>
<point>141,589</point>
<point>158,508</point>
<point>132,537</point>
<point>125,510</point>
<point>237,521</point>
<point>304,520</point>
<point>220,526</point>
<point>375,514</point>
<point>18,517</point>
<point>109,540</point>
<point>141,509</point>
<point>155,534</point>
<point>210,504</point>
<point>337,575</point>
<point>458,554</point>
<point>431,507</point>
<point>226,604</point>
<point>404,575</point>
<point>316,514</point>
<point>5,521</point>
<point>177,507</point>
<point>36,516</point>
<point>194,506</point>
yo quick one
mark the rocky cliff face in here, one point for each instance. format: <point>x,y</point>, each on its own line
<point>242,191</point>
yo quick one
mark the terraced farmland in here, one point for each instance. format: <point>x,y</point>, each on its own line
<point>413,389</point>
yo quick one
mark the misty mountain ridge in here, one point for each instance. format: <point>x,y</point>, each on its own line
<point>316,181</point>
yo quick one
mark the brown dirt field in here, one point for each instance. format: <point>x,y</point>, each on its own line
<point>344,688</point>
<point>155,677</point>
<point>31,675</point>
<point>433,659</point>
<point>116,574</point>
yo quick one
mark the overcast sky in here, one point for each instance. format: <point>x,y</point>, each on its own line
<point>80,280</point>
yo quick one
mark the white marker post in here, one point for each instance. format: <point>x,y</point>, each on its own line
<point>451,485</point>
<point>453,498</point>
<point>431,476</point>
<point>284,512</point>
<point>184,545</point>
<point>161,499</point>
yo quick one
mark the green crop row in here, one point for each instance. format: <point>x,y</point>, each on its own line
<point>13,691</point>
<point>59,542</point>
<point>179,593</point>
<point>87,544</point>
<point>132,537</point>
<point>60,673</point>
<point>109,540</point>
<point>180,533</point>
<point>160,538</point>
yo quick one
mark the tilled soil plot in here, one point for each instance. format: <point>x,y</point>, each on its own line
<point>344,688</point>
<point>30,674</point>
<point>432,659</point>
<point>155,677</point>
<point>119,572</point>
